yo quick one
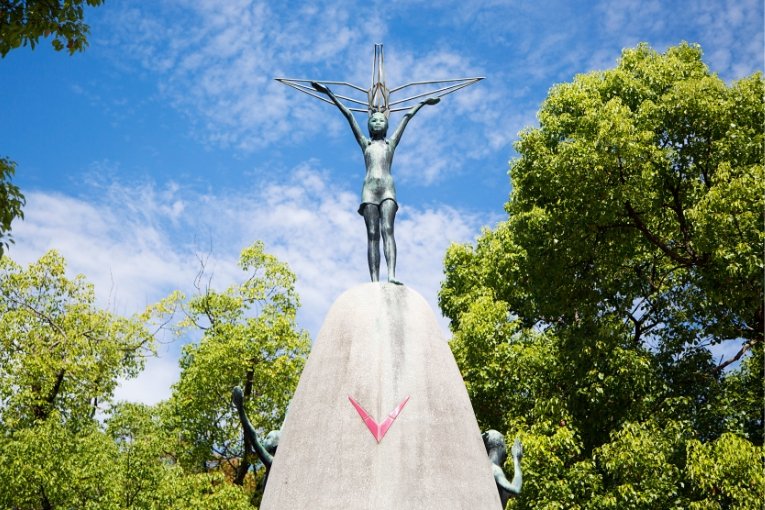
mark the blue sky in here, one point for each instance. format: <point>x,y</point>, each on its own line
<point>168,139</point>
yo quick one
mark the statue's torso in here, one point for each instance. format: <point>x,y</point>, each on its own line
<point>378,156</point>
<point>378,181</point>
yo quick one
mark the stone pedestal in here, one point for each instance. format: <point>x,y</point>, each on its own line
<point>379,344</point>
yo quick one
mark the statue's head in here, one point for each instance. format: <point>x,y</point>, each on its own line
<point>378,125</point>
<point>271,442</point>
<point>495,444</point>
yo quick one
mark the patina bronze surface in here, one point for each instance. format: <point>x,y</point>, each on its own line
<point>497,451</point>
<point>378,193</point>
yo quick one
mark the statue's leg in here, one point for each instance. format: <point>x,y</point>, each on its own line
<point>388,215</point>
<point>372,221</point>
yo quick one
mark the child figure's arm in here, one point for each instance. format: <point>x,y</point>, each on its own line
<point>407,117</point>
<point>360,138</point>
<point>249,431</point>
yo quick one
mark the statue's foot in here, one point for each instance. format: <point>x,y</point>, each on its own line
<point>394,281</point>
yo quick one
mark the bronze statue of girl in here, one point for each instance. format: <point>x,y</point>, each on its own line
<point>378,194</point>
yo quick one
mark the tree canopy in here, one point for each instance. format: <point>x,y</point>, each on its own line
<point>633,243</point>
<point>64,442</point>
<point>249,339</point>
<point>11,202</point>
<point>60,360</point>
<point>23,22</point>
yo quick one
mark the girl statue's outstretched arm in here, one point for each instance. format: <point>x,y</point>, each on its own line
<point>249,431</point>
<point>407,117</point>
<point>346,112</point>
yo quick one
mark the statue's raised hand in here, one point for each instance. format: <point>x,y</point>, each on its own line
<point>517,449</point>
<point>237,396</point>
<point>432,101</point>
<point>319,87</point>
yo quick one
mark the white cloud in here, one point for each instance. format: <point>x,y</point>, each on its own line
<point>730,31</point>
<point>217,66</point>
<point>733,34</point>
<point>154,383</point>
<point>122,248</point>
<point>136,244</point>
<point>632,19</point>
<point>216,62</point>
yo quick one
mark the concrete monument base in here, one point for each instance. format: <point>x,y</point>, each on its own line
<point>380,344</point>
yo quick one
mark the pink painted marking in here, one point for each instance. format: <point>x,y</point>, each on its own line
<point>378,430</point>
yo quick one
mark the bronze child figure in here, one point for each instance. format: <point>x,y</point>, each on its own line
<point>497,451</point>
<point>378,194</point>
<point>265,450</point>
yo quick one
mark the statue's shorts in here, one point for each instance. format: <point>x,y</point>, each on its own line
<point>376,190</point>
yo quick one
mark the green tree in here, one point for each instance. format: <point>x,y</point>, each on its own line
<point>211,491</point>
<point>634,242</point>
<point>144,471</point>
<point>60,359</point>
<point>58,350</point>
<point>11,202</point>
<point>144,462</point>
<point>51,465</point>
<point>249,339</point>
<point>63,444</point>
<point>640,198</point>
<point>23,22</point>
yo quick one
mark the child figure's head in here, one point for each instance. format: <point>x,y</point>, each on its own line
<point>495,446</point>
<point>378,125</point>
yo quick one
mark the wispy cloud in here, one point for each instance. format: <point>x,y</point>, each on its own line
<point>730,31</point>
<point>122,248</point>
<point>217,66</point>
<point>216,62</point>
<point>138,243</point>
<point>735,31</point>
<point>632,19</point>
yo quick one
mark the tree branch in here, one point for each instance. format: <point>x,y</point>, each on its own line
<point>747,345</point>
<point>44,317</point>
<point>39,410</point>
<point>638,223</point>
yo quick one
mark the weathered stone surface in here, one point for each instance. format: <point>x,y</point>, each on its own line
<point>379,344</point>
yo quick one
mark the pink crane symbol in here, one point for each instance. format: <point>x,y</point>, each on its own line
<point>378,430</point>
